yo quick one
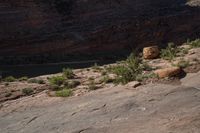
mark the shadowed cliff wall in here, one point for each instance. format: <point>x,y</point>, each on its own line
<point>36,31</point>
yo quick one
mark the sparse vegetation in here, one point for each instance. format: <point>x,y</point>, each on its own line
<point>96,67</point>
<point>72,84</point>
<point>103,73</point>
<point>92,86</point>
<point>142,77</point>
<point>170,52</point>
<point>107,79</point>
<point>37,81</point>
<point>129,70</point>
<point>27,91</point>
<point>194,44</point>
<point>57,80</point>
<point>23,78</point>
<point>64,93</point>
<point>10,79</point>
<point>182,63</point>
<point>68,73</point>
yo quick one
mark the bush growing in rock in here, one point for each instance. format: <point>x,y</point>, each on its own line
<point>23,78</point>
<point>10,79</point>
<point>129,70</point>
<point>27,91</point>
<point>57,80</point>
<point>170,52</point>
<point>195,43</point>
<point>68,73</point>
<point>64,93</point>
<point>37,81</point>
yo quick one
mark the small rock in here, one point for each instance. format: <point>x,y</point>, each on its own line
<point>151,52</point>
<point>134,84</point>
<point>168,72</point>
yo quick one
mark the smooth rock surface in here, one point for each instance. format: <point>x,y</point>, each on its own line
<point>154,108</point>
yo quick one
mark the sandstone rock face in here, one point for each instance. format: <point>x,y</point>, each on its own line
<point>42,29</point>
<point>168,72</point>
<point>151,52</point>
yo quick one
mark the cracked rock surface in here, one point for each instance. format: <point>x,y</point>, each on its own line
<point>154,108</point>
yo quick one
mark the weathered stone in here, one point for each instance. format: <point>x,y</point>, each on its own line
<point>134,84</point>
<point>150,52</point>
<point>168,72</point>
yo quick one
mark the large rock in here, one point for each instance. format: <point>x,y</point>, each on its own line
<point>151,52</point>
<point>168,72</point>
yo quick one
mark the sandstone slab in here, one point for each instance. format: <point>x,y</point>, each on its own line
<point>168,72</point>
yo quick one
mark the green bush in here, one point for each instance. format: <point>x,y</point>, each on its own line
<point>92,86</point>
<point>37,81</point>
<point>57,80</point>
<point>170,52</point>
<point>182,64</point>
<point>10,79</point>
<point>195,43</point>
<point>27,91</point>
<point>64,93</point>
<point>72,84</point>
<point>54,87</point>
<point>143,77</point>
<point>23,78</point>
<point>107,79</point>
<point>68,73</point>
<point>129,70</point>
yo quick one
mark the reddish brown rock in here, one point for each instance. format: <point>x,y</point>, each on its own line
<point>151,52</point>
<point>168,72</point>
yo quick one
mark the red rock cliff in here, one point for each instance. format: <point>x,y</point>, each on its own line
<point>48,27</point>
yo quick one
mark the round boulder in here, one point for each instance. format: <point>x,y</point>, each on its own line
<point>151,52</point>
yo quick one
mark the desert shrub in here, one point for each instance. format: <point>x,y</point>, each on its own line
<point>64,93</point>
<point>10,79</point>
<point>96,67</point>
<point>103,73</point>
<point>195,43</point>
<point>68,73</point>
<point>92,86</point>
<point>91,78</point>
<point>182,64</point>
<point>57,80</point>
<point>183,51</point>
<point>54,87</point>
<point>107,79</point>
<point>23,78</point>
<point>72,84</point>
<point>143,77</point>
<point>37,81</point>
<point>170,52</point>
<point>27,91</point>
<point>129,70</point>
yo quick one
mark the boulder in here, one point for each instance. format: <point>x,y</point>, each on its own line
<point>151,52</point>
<point>168,72</point>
